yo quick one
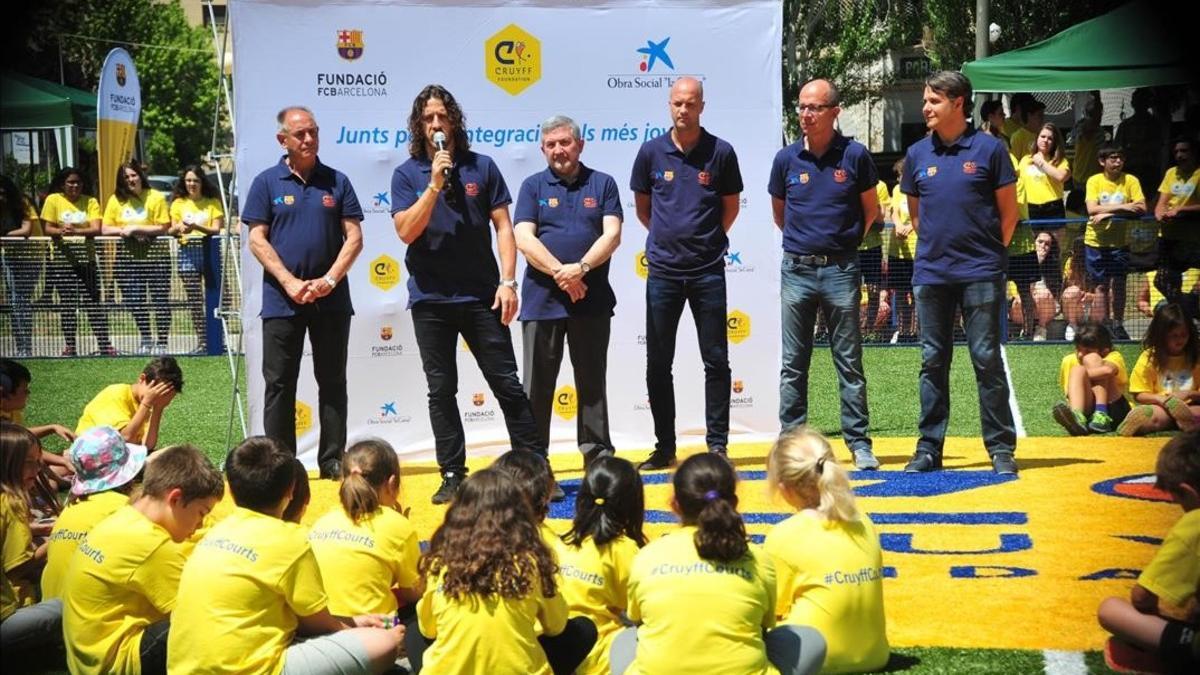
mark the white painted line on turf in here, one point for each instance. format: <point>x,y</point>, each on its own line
<point>1064,663</point>
<point>1012,396</point>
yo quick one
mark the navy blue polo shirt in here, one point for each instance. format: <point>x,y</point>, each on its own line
<point>959,224</point>
<point>569,219</point>
<point>305,228</point>
<point>686,238</point>
<point>823,196</point>
<point>452,260</point>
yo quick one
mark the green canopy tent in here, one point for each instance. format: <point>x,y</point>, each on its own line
<point>1131,46</point>
<point>28,104</point>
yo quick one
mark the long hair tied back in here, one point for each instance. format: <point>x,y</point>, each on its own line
<point>610,503</point>
<point>366,467</point>
<point>803,460</point>
<point>706,492</point>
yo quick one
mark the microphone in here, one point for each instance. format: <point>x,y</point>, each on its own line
<point>439,139</point>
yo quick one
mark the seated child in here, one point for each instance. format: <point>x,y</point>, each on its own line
<point>1094,379</point>
<point>119,590</point>
<point>14,396</point>
<point>703,596</point>
<point>252,584</point>
<point>301,493</point>
<point>1165,378</point>
<point>107,466</point>
<point>1161,614</point>
<point>492,595</point>
<point>828,563</point>
<point>25,625</point>
<point>533,475</point>
<point>136,409</point>
<point>605,536</point>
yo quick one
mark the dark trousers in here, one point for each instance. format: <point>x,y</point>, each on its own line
<point>145,282</point>
<point>153,648</point>
<point>438,326</point>
<point>564,651</point>
<point>76,276</point>
<point>283,346</point>
<point>664,307</point>
<point>587,338</point>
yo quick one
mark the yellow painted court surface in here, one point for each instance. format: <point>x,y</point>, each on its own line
<point>972,559</point>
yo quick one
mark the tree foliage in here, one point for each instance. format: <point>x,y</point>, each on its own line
<point>175,63</point>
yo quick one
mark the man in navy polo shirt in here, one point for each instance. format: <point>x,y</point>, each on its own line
<point>568,225</point>
<point>445,200</point>
<point>304,223</point>
<point>963,199</point>
<point>822,192</point>
<point>686,187</point>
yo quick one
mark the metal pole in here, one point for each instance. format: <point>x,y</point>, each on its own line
<point>982,19</point>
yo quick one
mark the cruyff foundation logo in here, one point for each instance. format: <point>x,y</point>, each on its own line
<point>512,59</point>
<point>566,402</point>
<point>350,44</point>
<point>304,418</point>
<point>385,272</point>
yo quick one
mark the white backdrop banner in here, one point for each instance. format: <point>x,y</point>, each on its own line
<point>609,65</point>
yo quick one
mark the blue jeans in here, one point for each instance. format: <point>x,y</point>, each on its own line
<point>834,289</point>
<point>982,303</point>
<point>664,306</point>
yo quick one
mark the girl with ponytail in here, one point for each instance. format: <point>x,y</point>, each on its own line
<point>828,564</point>
<point>704,597</point>
<point>599,550</point>
<point>366,549</point>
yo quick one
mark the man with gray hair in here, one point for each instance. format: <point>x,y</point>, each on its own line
<point>304,224</point>
<point>568,225</point>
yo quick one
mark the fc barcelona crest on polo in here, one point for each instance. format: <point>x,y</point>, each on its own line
<point>350,44</point>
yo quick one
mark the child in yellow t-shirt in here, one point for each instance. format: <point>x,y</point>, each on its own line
<point>119,591</point>
<point>106,466</point>
<point>252,584</point>
<point>1178,209</point>
<point>599,548</point>
<point>1111,196</point>
<point>196,214</point>
<point>704,596</point>
<point>1162,614</point>
<point>533,475</point>
<point>24,625</point>
<point>136,409</point>
<point>301,494</point>
<point>1093,378</point>
<point>492,596</point>
<point>901,248</point>
<point>828,562</point>
<point>366,550</point>
<point>1165,378</point>
<point>138,214</point>
<point>15,379</point>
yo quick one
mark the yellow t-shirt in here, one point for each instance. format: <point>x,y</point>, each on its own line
<point>1114,357</point>
<point>1183,192</point>
<point>60,211</point>
<point>360,563</point>
<point>830,577</point>
<point>902,248</point>
<point>486,635</point>
<point>113,407</point>
<point>16,550</point>
<point>1021,144</point>
<point>1190,279</point>
<point>1040,188</point>
<point>596,583</point>
<point>1022,238</point>
<point>148,210</point>
<point>122,578</point>
<point>1178,376</point>
<point>14,416</point>
<point>1011,126</point>
<point>1174,573</point>
<point>241,593</point>
<point>874,236</point>
<point>202,212</point>
<point>700,616</point>
<point>71,528</point>
<point>1125,190</point>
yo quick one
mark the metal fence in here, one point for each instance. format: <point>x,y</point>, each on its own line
<point>112,296</point>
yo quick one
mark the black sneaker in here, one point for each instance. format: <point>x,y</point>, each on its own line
<point>658,459</point>
<point>1004,464</point>
<point>450,484</point>
<point>557,494</point>
<point>1119,332</point>
<point>923,461</point>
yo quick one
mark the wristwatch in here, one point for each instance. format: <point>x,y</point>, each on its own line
<point>585,267</point>
<point>331,281</point>
<point>509,283</point>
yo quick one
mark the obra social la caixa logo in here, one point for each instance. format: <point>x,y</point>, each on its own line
<point>367,83</point>
<point>512,59</point>
<point>387,414</point>
<point>655,67</point>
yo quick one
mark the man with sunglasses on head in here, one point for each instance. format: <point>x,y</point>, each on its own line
<point>823,196</point>
<point>444,197</point>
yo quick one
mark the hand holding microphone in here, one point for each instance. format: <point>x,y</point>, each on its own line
<point>441,161</point>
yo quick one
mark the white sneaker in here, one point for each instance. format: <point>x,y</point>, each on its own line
<point>895,338</point>
<point>1039,334</point>
<point>1069,335</point>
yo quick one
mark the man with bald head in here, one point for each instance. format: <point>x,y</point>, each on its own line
<point>686,187</point>
<point>304,223</point>
<point>823,198</point>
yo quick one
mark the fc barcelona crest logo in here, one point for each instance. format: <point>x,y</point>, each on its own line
<point>969,167</point>
<point>121,74</point>
<point>477,399</point>
<point>350,44</point>
<point>704,177</point>
<point>839,175</point>
<point>385,333</point>
<point>552,202</point>
<point>289,199</point>
<point>738,386</point>
<point>804,178</point>
<point>931,171</point>
<point>668,176</point>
